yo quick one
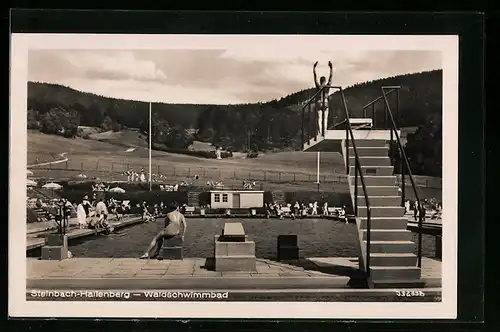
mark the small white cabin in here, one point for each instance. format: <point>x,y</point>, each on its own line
<point>236,199</point>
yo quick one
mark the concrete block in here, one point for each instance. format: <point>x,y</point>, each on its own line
<point>171,253</point>
<point>54,253</point>
<point>288,253</point>
<point>57,240</point>
<point>288,240</point>
<point>235,263</point>
<point>233,232</point>
<point>246,248</point>
<point>173,242</point>
<point>220,248</point>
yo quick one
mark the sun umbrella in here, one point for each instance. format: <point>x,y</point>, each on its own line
<point>31,183</point>
<point>117,190</point>
<point>52,185</point>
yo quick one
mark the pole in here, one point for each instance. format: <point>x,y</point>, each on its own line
<point>150,134</point>
<point>317,169</point>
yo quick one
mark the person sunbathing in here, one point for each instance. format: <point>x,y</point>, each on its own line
<point>175,225</point>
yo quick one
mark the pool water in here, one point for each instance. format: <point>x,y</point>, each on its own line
<point>317,238</point>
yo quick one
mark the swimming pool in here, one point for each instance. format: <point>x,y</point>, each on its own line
<point>317,238</point>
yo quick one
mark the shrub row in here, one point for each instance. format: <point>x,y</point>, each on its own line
<point>202,154</point>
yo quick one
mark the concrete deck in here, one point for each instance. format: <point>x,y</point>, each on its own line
<point>196,274</point>
<point>36,239</point>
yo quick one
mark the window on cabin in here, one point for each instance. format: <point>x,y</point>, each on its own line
<point>217,198</point>
<point>224,198</point>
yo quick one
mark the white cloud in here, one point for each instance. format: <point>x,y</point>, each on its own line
<point>236,75</point>
<point>115,64</point>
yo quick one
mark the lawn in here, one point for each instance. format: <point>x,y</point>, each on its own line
<point>108,159</point>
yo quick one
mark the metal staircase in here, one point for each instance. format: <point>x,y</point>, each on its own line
<point>387,252</point>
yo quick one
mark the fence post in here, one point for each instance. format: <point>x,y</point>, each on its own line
<point>189,172</point>
<point>158,171</point>
<point>249,175</point>
<point>81,166</point>
<point>112,167</point>
<point>174,171</point>
<point>219,173</point>
<point>97,165</point>
<point>324,178</point>
<point>279,176</point>
<point>309,177</point>
<point>66,164</point>
<point>234,174</point>
<point>265,176</point>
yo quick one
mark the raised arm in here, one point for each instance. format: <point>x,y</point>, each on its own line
<point>331,73</point>
<point>315,76</point>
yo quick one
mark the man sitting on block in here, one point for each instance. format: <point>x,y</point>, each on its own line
<point>174,222</point>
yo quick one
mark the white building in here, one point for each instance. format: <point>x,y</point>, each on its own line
<point>236,199</point>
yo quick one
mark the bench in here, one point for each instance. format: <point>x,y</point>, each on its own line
<point>189,209</point>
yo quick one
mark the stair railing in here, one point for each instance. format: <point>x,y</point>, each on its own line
<point>357,172</point>
<point>404,163</point>
<point>310,128</point>
<point>310,131</point>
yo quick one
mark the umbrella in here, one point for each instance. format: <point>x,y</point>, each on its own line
<point>28,172</point>
<point>31,183</point>
<point>52,185</point>
<point>117,190</point>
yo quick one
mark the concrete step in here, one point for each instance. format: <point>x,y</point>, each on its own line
<point>373,170</point>
<point>398,284</point>
<point>391,246</point>
<point>370,161</point>
<point>370,180</point>
<point>377,190</point>
<point>382,211</point>
<point>393,259</point>
<point>387,235</point>
<point>370,151</point>
<point>384,223</point>
<point>379,200</point>
<point>369,143</point>
<point>394,272</point>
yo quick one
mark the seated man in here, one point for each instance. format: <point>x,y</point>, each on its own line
<point>175,225</point>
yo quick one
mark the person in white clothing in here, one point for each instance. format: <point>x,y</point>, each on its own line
<point>315,208</point>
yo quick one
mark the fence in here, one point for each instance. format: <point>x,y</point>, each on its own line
<point>115,170</point>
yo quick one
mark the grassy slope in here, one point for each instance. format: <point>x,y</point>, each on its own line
<point>282,171</point>
<point>113,151</point>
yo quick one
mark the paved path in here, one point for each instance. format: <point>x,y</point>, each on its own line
<point>193,273</point>
<point>62,155</point>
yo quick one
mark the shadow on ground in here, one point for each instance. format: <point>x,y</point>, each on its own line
<point>357,278</point>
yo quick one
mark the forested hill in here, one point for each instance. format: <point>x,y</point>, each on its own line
<point>277,124</point>
<point>92,109</point>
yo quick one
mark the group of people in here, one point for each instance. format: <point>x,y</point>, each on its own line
<point>301,209</point>
<point>249,184</point>
<point>431,205</point>
<point>133,176</point>
<point>96,214</point>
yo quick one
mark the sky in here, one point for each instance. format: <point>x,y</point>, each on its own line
<point>216,76</point>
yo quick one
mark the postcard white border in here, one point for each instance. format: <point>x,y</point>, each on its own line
<point>19,307</point>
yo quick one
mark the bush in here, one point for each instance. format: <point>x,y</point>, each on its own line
<point>201,154</point>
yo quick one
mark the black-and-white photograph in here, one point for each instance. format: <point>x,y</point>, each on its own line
<point>207,170</point>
